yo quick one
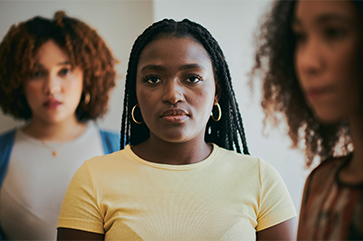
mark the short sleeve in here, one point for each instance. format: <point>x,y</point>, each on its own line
<point>275,204</point>
<point>80,209</point>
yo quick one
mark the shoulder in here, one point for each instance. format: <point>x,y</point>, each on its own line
<point>7,140</point>
<point>111,134</point>
<point>324,173</point>
<point>326,168</point>
<point>110,141</point>
<point>241,159</point>
<point>233,156</point>
<point>6,145</point>
<point>114,159</point>
<point>249,165</point>
<point>113,166</point>
<point>7,135</point>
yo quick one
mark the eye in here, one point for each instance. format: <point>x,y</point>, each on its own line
<point>151,79</point>
<point>194,78</point>
<point>65,71</point>
<point>334,33</point>
<point>37,74</point>
<point>300,36</point>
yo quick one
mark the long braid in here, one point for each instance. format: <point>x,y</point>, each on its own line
<point>234,120</point>
<point>229,130</point>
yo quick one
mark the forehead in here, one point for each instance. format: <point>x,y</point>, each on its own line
<point>173,51</point>
<point>50,52</point>
<point>323,10</point>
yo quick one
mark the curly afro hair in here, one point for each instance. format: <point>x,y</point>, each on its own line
<point>82,44</point>
<point>274,63</point>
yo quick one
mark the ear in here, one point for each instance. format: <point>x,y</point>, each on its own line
<point>217,96</point>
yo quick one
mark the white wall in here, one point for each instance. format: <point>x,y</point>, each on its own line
<point>118,22</point>
<point>233,24</point>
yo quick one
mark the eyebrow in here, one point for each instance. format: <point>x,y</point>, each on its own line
<point>61,63</point>
<point>160,67</point>
<point>328,17</point>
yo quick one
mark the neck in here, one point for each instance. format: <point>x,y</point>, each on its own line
<point>61,131</point>
<point>353,173</point>
<point>356,132</point>
<point>159,151</point>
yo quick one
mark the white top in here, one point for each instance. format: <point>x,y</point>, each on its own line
<point>34,186</point>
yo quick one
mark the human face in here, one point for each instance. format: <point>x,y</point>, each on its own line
<point>175,89</point>
<point>54,88</point>
<point>326,57</point>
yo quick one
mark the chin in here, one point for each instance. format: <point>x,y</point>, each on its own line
<point>175,137</point>
<point>328,118</point>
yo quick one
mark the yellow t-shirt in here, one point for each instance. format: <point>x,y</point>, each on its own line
<point>227,196</point>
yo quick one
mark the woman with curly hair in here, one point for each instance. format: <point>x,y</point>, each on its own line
<point>56,74</point>
<point>177,176</point>
<point>311,55</point>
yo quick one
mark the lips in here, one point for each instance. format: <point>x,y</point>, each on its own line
<point>174,115</point>
<point>315,93</point>
<point>173,112</point>
<point>52,103</point>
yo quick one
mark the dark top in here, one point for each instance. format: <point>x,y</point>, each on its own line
<point>331,209</point>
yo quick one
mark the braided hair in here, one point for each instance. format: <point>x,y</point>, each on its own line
<point>228,132</point>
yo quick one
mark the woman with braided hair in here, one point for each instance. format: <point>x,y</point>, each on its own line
<point>177,176</point>
<point>56,74</point>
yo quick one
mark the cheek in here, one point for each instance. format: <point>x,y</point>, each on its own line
<point>32,91</point>
<point>75,82</point>
<point>345,63</point>
<point>147,102</point>
<point>74,87</point>
<point>141,96</point>
<point>346,69</point>
<point>204,100</point>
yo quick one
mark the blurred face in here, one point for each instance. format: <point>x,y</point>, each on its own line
<point>54,89</point>
<point>175,89</point>
<point>326,55</point>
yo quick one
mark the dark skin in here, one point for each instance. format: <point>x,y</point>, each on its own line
<point>73,234</point>
<point>281,231</point>
<point>177,75</point>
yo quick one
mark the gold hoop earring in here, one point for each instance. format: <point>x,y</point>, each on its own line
<point>87,98</point>
<point>133,117</point>
<point>219,112</point>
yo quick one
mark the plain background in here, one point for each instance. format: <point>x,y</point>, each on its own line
<point>232,23</point>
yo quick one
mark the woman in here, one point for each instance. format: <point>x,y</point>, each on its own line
<point>172,181</point>
<point>56,74</point>
<point>313,77</point>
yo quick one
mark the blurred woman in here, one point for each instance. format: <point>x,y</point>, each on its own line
<point>57,75</point>
<point>177,177</point>
<point>311,56</point>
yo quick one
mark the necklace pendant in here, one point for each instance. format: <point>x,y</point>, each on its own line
<point>54,153</point>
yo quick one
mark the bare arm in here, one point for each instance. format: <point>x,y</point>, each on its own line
<point>282,231</point>
<point>73,234</point>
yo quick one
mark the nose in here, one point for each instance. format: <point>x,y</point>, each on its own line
<point>173,92</point>
<point>309,59</point>
<point>52,84</point>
